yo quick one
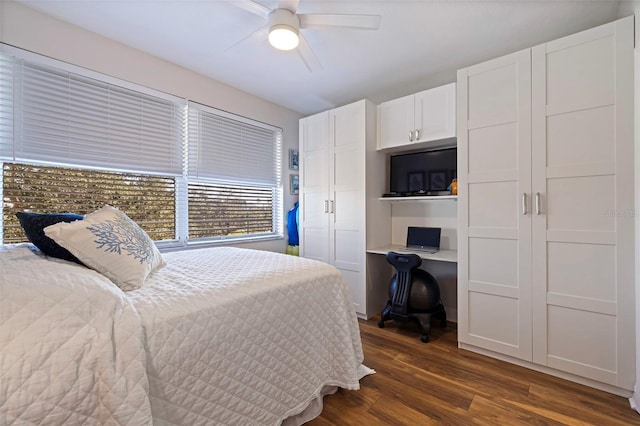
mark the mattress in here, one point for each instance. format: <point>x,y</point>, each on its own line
<point>244,337</point>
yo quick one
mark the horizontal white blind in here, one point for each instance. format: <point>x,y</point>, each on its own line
<point>232,150</point>
<point>6,106</point>
<point>223,211</point>
<point>148,200</point>
<point>67,118</point>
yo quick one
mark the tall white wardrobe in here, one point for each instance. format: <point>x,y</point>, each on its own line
<point>341,215</point>
<point>545,222</point>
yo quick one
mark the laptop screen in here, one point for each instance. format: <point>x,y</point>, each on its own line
<point>418,236</point>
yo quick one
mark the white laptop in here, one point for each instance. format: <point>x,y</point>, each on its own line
<point>423,239</point>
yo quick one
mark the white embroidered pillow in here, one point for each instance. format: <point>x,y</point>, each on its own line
<point>108,241</point>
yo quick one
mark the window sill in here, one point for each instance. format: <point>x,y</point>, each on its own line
<point>196,244</point>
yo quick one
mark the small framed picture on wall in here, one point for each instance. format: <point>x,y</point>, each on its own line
<point>293,160</point>
<point>294,184</point>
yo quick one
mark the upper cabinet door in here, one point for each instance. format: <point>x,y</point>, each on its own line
<point>395,121</point>
<point>435,113</point>
<point>425,120</point>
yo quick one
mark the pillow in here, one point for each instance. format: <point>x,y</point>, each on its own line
<point>33,225</point>
<point>108,241</point>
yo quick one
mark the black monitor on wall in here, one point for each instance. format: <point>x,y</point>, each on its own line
<point>422,172</point>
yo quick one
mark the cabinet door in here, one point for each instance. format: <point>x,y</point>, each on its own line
<point>314,187</point>
<point>494,221</point>
<point>347,188</point>
<point>583,309</point>
<point>435,113</point>
<point>395,121</point>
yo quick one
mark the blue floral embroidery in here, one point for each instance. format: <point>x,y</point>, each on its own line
<point>122,234</point>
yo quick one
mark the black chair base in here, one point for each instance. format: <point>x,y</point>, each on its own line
<point>422,319</point>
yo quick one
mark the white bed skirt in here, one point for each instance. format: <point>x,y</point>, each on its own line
<point>314,409</point>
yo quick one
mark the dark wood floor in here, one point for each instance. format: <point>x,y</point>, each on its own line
<point>438,384</point>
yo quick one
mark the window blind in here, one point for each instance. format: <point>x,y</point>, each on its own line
<point>226,149</point>
<point>66,118</point>
<point>6,106</point>
<point>148,200</point>
<point>221,211</point>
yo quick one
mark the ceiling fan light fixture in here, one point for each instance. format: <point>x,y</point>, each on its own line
<point>283,37</point>
<point>283,29</point>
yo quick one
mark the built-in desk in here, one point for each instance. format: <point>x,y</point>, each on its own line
<point>442,265</point>
<point>442,255</point>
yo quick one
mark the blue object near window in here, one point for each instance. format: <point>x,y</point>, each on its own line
<point>292,225</point>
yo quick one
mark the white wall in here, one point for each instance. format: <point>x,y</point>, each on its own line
<point>29,29</point>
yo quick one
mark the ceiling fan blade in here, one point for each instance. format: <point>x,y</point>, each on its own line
<point>259,34</point>
<point>252,6</point>
<point>360,22</point>
<point>291,5</point>
<point>307,55</point>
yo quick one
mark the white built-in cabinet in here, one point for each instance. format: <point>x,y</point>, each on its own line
<point>545,229</point>
<point>341,179</point>
<point>413,121</point>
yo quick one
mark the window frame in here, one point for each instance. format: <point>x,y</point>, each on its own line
<point>277,209</point>
<point>181,181</point>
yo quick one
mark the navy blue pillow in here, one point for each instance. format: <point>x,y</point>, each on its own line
<point>33,225</point>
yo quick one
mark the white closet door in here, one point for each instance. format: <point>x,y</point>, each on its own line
<point>583,310</point>
<point>348,211</point>
<point>314,187</point>
<point>494,226</point>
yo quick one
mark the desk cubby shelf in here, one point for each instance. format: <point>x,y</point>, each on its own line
<point>425,198</point>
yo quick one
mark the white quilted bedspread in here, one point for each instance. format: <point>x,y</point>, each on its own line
<point>244,337</point>
<point>71,349</point>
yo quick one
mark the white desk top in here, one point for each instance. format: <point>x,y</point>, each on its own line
<point>442,255</point>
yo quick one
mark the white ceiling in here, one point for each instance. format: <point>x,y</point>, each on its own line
<point>419,45</point>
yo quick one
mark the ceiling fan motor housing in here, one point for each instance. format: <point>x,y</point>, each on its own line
<point>284,17</point>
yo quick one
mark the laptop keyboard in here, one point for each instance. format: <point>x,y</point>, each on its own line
<point>419,250</point>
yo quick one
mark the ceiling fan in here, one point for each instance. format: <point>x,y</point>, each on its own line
<point>284,24</point>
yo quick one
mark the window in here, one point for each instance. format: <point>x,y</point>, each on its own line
<point>148,200</point>
<point>234,170</point>
<point>72,140</point>
<point>220,211</point>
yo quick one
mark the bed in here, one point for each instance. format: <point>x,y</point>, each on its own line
<point>216,336</point>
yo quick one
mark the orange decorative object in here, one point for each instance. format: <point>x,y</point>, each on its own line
<point>454,187</point>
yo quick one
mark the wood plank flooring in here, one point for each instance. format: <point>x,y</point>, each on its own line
<point>438,384</point>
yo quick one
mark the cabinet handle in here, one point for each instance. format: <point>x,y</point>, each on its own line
<point>326,206</point>
<point>417,134</point>
<point>332,209</point>
<point>411,136</point>
<point>524,203</point>
<point>537,203</point>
